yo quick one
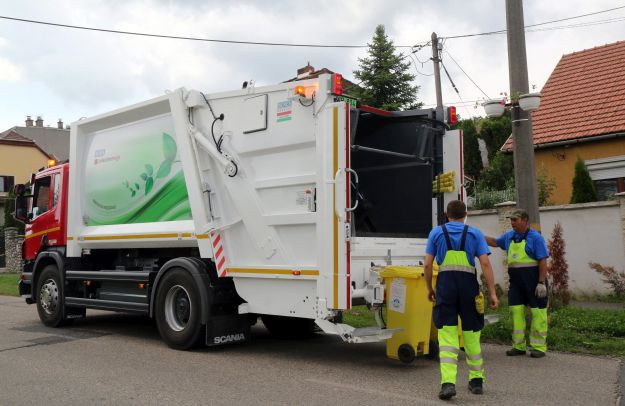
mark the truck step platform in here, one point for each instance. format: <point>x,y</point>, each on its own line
<point>107,305</point>
<point>357,335</point>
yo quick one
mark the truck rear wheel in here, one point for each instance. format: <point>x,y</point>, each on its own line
<point>50,297</point>
<point>288,327</point>
<point>177,310</point>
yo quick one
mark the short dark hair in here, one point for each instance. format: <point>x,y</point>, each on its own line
<point>456,209</point>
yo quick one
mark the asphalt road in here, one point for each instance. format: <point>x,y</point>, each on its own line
<point>112,359</point>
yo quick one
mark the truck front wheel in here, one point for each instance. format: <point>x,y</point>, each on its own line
<point>50,297</point>
<point>177,311</point>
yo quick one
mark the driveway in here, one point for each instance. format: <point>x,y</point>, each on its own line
<point>114,359</point>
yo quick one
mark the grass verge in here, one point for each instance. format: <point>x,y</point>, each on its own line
<point>585,331</point>
<point>8,284</point>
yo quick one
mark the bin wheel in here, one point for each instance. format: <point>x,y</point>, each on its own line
<point>406,353</point>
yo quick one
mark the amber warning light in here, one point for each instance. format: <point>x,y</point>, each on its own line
<point>300,90</point>
<point>51,163</point>
<point>337,84</point>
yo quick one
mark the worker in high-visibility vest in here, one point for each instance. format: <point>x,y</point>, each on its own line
<point>455,246</point>
<point>527,271</point>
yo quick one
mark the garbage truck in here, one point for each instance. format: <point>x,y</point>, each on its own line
<point>208,211</point>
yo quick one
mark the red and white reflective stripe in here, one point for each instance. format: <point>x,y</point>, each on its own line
<point>218,254</point>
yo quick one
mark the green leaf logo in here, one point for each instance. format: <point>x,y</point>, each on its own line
<point>169,147</point>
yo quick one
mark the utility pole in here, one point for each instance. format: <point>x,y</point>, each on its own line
<point>524,167</point>
<point>437,77</point>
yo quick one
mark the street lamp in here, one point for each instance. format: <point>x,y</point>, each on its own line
<point>527,102</point>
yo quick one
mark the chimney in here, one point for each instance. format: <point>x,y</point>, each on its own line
<point>305,71</point>
<point>39,121</point>
<point>59,124</point>
<point>29,121</point>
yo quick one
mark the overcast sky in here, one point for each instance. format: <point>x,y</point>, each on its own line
<point>67,73</point>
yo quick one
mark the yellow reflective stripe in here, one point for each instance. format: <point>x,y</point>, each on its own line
<point>518,331</point>
<point>449,349</point>
<point>49,230</point>
<point>309,272</point>
<point>70,238</point>
<point>138,236</point>
<point>445,360</point>
<point>335,160</point>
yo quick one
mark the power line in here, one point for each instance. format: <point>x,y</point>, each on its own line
<point>418,45</point>
<point>534,25</point>
<point>224,41</point>
<point>466,74</point>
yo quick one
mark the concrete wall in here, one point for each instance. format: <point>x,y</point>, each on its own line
<point>559,162</point>
<point>593,232</point>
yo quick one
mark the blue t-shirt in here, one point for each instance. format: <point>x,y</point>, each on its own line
<point>475,244</point>
<point>535,245</point>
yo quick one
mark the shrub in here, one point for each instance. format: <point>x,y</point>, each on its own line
<point>583,188</point>
<point>611,277</point>
<point>558,270</point>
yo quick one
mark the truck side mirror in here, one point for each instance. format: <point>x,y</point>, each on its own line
<point>21,208</point>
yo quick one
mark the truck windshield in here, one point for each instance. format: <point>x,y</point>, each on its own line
<point>394,157</point>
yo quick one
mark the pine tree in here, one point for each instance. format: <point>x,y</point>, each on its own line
<point>558,270</point>
<point>583,188</point>
<point>384,78</point>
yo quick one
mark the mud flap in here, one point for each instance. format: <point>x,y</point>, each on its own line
<point>227,329</point>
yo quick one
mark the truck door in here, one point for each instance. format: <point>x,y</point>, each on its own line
<point>44,218</point>
<point>335,205</point>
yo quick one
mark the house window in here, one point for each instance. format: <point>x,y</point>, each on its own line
<point>6,183</point>
<point>607,188</point>
<point>608,175</point>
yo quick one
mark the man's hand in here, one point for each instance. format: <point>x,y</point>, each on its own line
<point>494,301</point>
<point>431,295</point>
<point>541,290</point>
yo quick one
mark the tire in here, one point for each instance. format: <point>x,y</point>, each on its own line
<point>289,327</point>
<point>50,297</point>
<point>177,310</point>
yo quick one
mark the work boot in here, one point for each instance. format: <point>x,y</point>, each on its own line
<point>512,352</point>
<point>475,386</point>
<point>448,391</point>
<point>536,354</point>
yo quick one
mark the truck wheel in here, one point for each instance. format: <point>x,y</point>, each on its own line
<point>50,297</point>
<point>177,310</point>
<point>288,327</point>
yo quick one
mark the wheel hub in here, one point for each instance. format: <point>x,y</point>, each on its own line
<point>49,296</point>
<point>177,308</point>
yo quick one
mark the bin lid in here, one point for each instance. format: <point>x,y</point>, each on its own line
<point>403,271</point>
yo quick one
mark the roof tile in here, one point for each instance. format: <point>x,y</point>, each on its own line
<point>583,97</point>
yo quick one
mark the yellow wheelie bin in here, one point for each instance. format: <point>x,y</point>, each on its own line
<point>408,308</point>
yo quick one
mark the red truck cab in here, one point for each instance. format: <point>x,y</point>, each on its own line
<point>43,208</point>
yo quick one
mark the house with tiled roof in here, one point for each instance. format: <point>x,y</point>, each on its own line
<point>582,113</point>
<point>19,158</point>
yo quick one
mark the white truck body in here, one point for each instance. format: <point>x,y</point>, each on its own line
<point>154,175</point>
